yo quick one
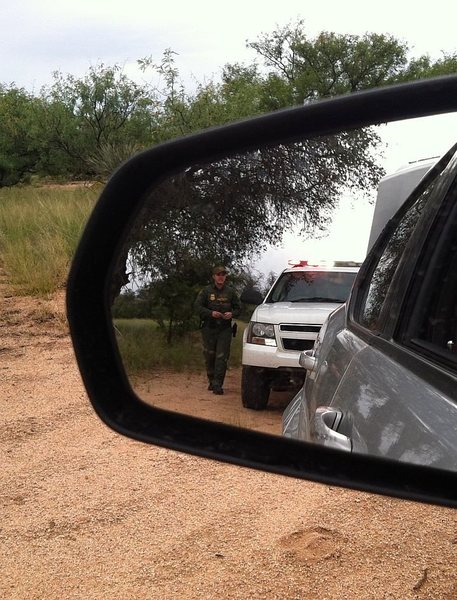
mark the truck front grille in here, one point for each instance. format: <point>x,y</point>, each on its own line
<point>298,345</point>
<point>297,336</point>
<point>301,328</point>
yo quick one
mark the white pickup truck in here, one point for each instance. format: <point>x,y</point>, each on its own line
<point>286,322</point>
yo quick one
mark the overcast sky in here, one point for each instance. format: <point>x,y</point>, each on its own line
<point>41,36</point>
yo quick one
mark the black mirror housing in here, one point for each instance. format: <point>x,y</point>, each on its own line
<point>88,298</point>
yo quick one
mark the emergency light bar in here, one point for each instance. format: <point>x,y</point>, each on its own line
<point>323,263</point>
<point>314,263</point>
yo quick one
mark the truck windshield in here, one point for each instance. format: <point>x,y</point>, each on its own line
<point>312,286</point>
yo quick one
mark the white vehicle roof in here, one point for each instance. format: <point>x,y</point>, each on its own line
<point>393,190</point>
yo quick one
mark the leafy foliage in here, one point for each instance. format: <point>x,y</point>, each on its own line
<point>231,209</point>
<point>226,212</point>
<point>83,128</point>
<point>20,143</point>
<point>331,64</point>
<point>84,117</point>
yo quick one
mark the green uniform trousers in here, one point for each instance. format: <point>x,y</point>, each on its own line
<point>216,350</point>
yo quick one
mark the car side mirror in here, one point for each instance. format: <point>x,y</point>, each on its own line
<point>307,360</point>
<point>138,194</point>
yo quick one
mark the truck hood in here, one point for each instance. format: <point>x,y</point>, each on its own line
<point>313,313</point>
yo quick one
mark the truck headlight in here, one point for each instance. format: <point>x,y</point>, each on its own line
<point>261,333</point>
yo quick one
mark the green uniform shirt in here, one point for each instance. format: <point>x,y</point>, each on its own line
<point>222,300</point>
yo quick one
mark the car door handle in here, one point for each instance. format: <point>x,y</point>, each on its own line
<point>451,346</point>
<point>323,429</point>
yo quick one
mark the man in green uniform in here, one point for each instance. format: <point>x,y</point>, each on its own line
<point>216,305</point>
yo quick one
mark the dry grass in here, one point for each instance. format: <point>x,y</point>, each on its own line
<point>39,231</point>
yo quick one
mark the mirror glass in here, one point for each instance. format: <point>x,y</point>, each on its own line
<point>247,215</point>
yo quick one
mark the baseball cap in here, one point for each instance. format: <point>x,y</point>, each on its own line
<point>219,269</point>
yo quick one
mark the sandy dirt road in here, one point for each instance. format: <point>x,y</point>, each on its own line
<point>87,514</point>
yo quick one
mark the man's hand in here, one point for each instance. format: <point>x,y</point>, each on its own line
<point>227,316</point>
<point>217,315</point>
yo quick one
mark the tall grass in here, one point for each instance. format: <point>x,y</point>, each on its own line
<point>39,231</point>
<point>143,347</point>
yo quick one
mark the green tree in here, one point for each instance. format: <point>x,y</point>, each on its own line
<point>423,67</point>
<point>181,113</point>
<point>228,211</point>
<point>98,117</point>
<point>300,69</point>
<point>19,143</point>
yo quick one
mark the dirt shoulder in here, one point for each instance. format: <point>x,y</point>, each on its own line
<point>187,393</point>
<point>88,514</point>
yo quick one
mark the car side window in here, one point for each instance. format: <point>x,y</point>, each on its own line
<point>438,325</point>
<point>383,273</point>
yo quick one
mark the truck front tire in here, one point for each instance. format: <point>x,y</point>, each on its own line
<point>255,388</point>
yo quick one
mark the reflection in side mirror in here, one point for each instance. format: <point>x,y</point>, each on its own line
<point>237,211</point>
<point>324,429</point>
<point>233,212</point>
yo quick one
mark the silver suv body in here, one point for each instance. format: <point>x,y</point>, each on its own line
<point>286,322</point>
<point>382,377</point>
